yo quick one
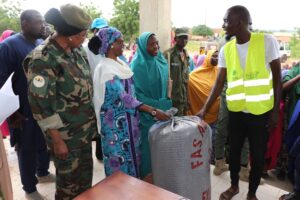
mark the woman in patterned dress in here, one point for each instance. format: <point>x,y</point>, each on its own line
<point>116,106</point>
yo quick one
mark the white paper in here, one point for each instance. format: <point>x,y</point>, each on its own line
<point>9,102</point>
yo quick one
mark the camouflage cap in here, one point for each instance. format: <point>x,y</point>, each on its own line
<point>181,32</point>
<point>75,16</point>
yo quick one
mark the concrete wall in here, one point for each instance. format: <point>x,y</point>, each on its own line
<point>155,16</point>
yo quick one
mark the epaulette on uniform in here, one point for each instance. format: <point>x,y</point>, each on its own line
<point>38,51</point>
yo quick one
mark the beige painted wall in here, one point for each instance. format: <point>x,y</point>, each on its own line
<point>155,16</point>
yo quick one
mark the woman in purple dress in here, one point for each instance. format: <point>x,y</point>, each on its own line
<point>116,106</point>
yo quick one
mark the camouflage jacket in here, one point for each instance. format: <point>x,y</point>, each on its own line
<point>179,72</point>
<point>60,93</point>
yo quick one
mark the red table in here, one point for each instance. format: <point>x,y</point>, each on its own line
<point>120,186</point>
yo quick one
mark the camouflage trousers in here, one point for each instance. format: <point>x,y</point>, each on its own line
<point>74,175</point>
<point>221,134</point>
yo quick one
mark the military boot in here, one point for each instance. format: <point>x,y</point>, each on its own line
<point>244,174</point>
<point>220,167</point>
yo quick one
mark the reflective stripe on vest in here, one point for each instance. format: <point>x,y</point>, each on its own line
<point>250,83</point>
<point>249,89</point>
<point>250,98</point>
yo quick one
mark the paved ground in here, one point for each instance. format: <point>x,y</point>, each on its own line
<point>218,183</point>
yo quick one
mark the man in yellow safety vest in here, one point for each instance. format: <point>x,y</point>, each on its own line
<point>251,64</point>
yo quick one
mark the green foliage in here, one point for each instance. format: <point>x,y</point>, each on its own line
<point>192,47</point>
<point>126,18</point>
<point>1,194</point>
<point>10,16</point>
<point>202,30</point>
<point>92,10</point>
<point>295,46</point>
<point>262,31</point>
<point>298,31</point>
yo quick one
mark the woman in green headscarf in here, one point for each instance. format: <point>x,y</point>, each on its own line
<point>150,70</point>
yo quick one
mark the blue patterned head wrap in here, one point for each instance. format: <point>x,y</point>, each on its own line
<point>107,36</point>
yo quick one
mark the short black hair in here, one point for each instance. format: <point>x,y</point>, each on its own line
<point>28,15</point>
<point>242,12</point>
<point>95,44</point>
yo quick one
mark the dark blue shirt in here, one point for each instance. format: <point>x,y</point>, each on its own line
<point>13,51</point>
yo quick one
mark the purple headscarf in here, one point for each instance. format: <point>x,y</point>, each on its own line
<point>200,60</point>
<point>107,36</point>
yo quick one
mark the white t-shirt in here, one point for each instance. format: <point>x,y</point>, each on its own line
<point>271,52</point>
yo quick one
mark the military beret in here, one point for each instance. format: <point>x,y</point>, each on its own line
<point>69,20</point>
<point>75,16</point>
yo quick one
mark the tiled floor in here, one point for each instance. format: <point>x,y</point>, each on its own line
<point>218,183</point>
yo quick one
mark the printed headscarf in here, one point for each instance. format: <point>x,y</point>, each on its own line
<point>201,81</point>
<point>200,60</point>
<point>107,36</point>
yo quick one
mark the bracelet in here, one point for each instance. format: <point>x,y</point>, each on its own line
<point>153,112</point>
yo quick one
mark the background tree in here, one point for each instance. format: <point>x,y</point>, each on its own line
<point>126,18</point>
<point>202,30</point>
<point>262,31</point>
<point>10,16</point>
<point>92,10</point>
<point>295,44</point>
<point>298,31</point>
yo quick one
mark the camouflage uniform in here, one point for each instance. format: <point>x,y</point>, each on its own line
<point>60,95</point>
<point>179,74</point>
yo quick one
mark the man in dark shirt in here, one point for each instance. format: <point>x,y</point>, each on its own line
<point>26,135</point>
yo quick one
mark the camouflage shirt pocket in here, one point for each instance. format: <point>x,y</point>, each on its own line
<point>174,64</point>
<point>39,85</point>
<point>65,166</point>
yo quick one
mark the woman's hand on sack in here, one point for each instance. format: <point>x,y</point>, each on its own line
<point>202,125</point>
<point>161,116</point>
<point>201,114</point>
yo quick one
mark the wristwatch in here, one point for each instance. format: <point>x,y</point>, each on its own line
<point>153,113</point>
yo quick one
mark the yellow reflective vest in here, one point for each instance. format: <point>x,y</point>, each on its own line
<point>249,89</point>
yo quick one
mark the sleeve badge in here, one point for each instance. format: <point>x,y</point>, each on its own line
<point>39,81</point>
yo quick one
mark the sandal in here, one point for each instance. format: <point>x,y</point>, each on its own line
<point>289,196</point>
<point>228,194</point>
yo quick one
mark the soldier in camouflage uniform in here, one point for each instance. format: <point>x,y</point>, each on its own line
<point>179,62</point>
<point>60,95</point>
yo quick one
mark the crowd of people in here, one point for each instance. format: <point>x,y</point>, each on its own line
<point>73,90</point>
